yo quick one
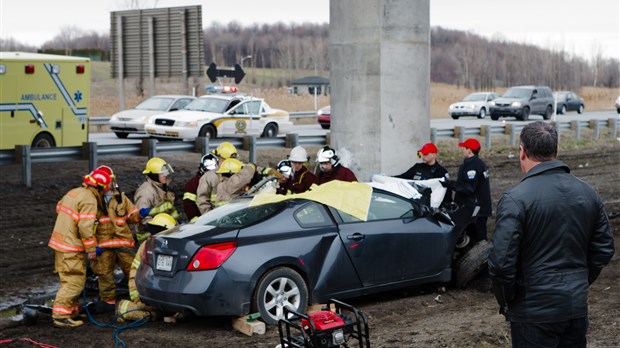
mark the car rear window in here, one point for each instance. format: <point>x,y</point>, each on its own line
<point>238,214</point>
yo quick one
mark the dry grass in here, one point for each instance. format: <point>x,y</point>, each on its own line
<point>105,94</point>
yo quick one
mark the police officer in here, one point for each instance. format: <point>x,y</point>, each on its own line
<point>472,185</point>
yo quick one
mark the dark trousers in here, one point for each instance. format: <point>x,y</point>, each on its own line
<point>481,228</point>
<point>563,334</point>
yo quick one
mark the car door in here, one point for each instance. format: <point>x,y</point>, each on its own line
<point>394,244</point>
<point>243,119</point>
<point>572,103</point>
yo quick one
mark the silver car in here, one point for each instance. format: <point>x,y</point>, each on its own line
<point>132,121</point>
<point>475,104</point>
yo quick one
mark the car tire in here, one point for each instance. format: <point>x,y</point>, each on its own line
<point>468,266</point>
<point>280,287</point>
<point>208,131</point>
<point>43,140</point>
<point>525,115</point>
<point>580,110</point>
<point>494,117</point>
<point>454,117</point>
<point>324,126</point>
<point>548,112</point>
<point>563,110</point>
<point>121,135</point>
<point>482,113</point>
<point>271,131</point>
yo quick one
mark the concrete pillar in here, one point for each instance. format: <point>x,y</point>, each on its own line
<point>380,82</point>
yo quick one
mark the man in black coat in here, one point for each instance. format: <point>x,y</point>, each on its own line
<point>472,187</point>
<point>552,238</point>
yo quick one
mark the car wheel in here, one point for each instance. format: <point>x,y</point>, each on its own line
<point>471,263</point>
<point>548,112</point>
<point>563,110</point>
<point>43,140</point>
<point>580,110</point>
<point>121,135</point>
<point>494,117</point>
<point>483,113</point>
<point>455,117</point>
<point>208,131</point>
<point>526,114</point>
<point>279,288</point>
<point>324,126</point>
<point>271,130</point>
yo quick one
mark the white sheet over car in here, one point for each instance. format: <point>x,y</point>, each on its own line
<point>403,187</point>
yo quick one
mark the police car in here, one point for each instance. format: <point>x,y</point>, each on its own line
<point>220,115</point>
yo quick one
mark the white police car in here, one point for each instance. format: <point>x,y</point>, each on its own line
<point>220,115</point>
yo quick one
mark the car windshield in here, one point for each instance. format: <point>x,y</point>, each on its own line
<point>215,105</point>
<point>155,103</point>
<point>238,214</point>
<point>518,93</point>
<point>475,97</point>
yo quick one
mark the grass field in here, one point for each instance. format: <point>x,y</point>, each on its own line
<point>105,94</point>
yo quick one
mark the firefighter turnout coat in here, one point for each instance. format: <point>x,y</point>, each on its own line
<point>339,172</point>
<point>74,231</point>
<point>113,229</point>
<point>233,186</point>
<point>152,195</point>
<point>206,194</point>
<point>190,198</point>
<point>300,182</point>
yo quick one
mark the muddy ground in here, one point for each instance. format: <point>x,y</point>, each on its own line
<point>415,317</point>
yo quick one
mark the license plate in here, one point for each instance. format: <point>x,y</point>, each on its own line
<point>164,263</point>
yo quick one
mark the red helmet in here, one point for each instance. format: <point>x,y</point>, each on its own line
<point>99,179</point>
<point>106,169</point>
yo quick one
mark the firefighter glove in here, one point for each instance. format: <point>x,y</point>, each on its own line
<point>144,212</point>
<point>98,251</point>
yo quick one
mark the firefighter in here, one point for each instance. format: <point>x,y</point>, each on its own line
<point>153,196</point>
<point>331,168</point>
<point>115,243</point>
<point>234,178</point>
<point>208,162</point>
<point>206,194</point>
<point>301,178</point>
<point>74,241</point>
<point>128,309</point>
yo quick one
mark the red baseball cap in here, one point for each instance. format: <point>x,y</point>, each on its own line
<point>471,144</point>
<point>428,148</point>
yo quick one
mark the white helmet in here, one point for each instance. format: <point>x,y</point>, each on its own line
<point>298,154</point>
<point>207,162</point>
<point>327,154</point>
<point>285,168</point>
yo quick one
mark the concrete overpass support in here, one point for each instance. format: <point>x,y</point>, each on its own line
<point>380,82</point>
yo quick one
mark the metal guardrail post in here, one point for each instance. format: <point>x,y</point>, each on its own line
<point>557,129</point>
<point>89,151</point>
<point>249,144</point>
<point>26,161</point>
<point>513,136</point>
<point>460,132</point>
<point>149,148</point>
<point>487,137</point>
<point>574,125</point>
<point>292,140</point>
<point>202,144</point>
<point>613,127</point>
<point>434,135</point>
<point>595,128</point>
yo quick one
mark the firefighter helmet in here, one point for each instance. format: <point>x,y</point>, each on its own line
<point>163,220</point>
<point>106,169</point>
<point>98,179</point>
<point>157,165</point>
<point>225,150</point>
<point>285,168</point>
<point>207,162</point>
<point>230,166</point>
<point>327,154</point>
<point>298,154</point>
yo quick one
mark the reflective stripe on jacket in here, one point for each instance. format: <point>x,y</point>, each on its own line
<point>74,230</point>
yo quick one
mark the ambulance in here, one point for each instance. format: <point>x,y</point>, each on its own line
<point>44,100</point>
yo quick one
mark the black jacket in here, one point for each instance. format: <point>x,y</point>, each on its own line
<point>472,186</point>
<point>551,240</point>
<point>422,171</point>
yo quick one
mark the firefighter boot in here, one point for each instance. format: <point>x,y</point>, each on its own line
<point>67,322</point>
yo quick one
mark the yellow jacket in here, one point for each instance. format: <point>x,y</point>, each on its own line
<point>233,187</point>
<point>151,195</point>
<point>113,229</point>
<point>74,231</point>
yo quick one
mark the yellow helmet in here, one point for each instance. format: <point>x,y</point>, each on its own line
<point>163,220</point>
<point>157,165</point>
<point>230,166</point>
<point>225,150</point>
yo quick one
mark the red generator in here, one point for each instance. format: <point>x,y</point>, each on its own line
<point>342,326</point>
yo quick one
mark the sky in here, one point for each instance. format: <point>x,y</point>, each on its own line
<point>579,27</point>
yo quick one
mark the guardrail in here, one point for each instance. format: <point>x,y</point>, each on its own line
<point>90,151</point>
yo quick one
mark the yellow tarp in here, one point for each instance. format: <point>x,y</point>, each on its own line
<point>352,198</point>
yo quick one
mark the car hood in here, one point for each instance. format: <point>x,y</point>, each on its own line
<point>467,103</point>
<point>190,115</point>
<point>134,114</point>
<point>502,100</point>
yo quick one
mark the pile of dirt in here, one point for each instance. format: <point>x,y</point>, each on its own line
<point>420,317</point>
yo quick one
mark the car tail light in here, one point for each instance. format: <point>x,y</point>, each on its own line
<point>211,256</point>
